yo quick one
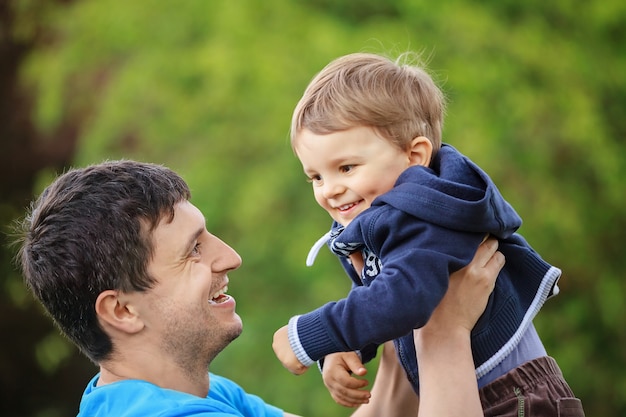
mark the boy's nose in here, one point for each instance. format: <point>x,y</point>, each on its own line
<point>332,189</point>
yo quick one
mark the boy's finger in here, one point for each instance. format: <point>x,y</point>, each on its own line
<point>353,383</point>
<point>352,398</point>
<point>355,365</point>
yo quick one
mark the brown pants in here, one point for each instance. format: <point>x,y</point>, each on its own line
<point>536,388</point>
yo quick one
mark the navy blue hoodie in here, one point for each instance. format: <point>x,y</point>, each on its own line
<point>412,238</point>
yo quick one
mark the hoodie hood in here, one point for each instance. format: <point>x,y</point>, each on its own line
<point>454,193</point>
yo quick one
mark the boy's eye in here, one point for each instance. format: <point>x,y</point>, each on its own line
<point>346,168</point>
<point>315,179</point>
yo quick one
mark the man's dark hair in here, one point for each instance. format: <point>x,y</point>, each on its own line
<point>91,231</point>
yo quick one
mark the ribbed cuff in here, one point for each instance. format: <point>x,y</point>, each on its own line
<point>294,341</point>
<point>313,336</point>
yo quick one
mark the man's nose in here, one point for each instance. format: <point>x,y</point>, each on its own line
<point>228,258</point>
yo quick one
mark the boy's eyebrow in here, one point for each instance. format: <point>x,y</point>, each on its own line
<point>343,159</point>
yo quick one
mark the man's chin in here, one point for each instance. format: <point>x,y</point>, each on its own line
<point>236,330</point>
<point>229,336</point>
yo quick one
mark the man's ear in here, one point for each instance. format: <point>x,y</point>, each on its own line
<point>114,310</point>
<point>420,151</point>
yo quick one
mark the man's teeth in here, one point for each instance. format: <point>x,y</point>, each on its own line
<point>218,294</point>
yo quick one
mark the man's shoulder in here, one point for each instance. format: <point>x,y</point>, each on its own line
<point>135,398</point>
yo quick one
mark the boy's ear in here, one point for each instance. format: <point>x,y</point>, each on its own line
<point>116,312</point>
<point>420,151</point>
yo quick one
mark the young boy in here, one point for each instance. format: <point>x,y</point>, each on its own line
<point>407,211</point>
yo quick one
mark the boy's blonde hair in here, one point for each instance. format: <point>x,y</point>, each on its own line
<point>399,100</point>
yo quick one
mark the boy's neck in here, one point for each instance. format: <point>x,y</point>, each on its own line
<point>357,262</point>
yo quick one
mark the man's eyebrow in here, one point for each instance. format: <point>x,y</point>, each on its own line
<point>192,241</point>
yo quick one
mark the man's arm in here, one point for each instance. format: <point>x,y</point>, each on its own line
<point>448,385</point>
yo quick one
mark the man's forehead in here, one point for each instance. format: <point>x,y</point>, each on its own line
<point>176,231</point>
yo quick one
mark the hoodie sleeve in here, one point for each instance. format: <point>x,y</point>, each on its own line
<point>417,259</point>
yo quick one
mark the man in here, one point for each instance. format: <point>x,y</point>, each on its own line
<point>125,266</point>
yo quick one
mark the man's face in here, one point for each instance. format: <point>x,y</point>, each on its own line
<point>192,317</point>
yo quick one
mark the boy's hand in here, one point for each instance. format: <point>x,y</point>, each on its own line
<point>337,373</point>
<point>284,353</point>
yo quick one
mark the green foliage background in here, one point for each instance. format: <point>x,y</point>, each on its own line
<point>537,97</point>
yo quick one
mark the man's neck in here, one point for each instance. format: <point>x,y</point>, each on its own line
<point>163,376</point>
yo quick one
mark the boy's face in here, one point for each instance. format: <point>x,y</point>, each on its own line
<point>350,168</point>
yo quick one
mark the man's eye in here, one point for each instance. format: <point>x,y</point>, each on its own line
<point>196,249</point>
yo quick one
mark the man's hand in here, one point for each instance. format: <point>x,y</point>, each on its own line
<point>448,384</point>
<point>284,353</point>
<point>469,290</point>
<point>337,373</point>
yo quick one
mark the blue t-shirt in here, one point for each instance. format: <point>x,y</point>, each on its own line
<point>136,398</point>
